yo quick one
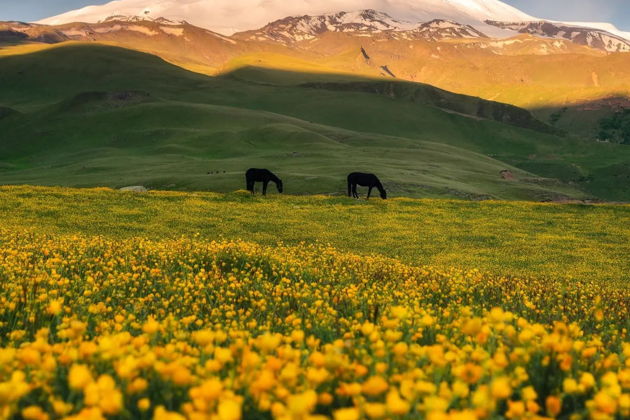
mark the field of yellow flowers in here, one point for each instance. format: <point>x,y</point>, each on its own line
<point>149,326</point>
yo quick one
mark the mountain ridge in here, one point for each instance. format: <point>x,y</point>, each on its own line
<point>590,37</point>
<point>231,16</point>
<point>364,23</point>
<point>360,23</point>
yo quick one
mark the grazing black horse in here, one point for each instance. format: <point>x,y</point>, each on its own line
<point>254,175</point>
<point>364,180</point>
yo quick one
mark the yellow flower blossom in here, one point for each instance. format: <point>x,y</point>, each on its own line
<point>229,410</point>
<point>375,385</point>
<point>219,330</point>
<point>347,414</point>
<point>395,404</point>
<point>79,377</point>
<point>500,388</point>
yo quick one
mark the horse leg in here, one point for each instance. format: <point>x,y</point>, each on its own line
<point>369,192</point>
<point>354,191</point>
<point>265,183</point>
<point>250,186</point>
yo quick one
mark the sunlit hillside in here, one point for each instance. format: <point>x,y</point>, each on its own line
<point>569,85</point>
<point>572,86</point>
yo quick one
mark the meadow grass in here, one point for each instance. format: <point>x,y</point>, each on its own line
<point>510,238</point>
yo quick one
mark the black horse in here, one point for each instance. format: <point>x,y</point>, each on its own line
<point>364,180</point>
<point>265,176</point>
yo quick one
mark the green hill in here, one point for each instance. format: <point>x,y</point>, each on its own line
<point>91,115</point>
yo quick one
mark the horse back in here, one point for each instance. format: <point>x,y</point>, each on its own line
<point>363,179</point>
<point>254,171</point>
<point>260,174</point>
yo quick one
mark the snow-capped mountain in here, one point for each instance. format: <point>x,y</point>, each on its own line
<point>132,19</point>
<point>604,26</point>
<point>361,23</point>
<point>298,20</point>
<point>300,28</point>
<point>230,16</point>
<point>20,31</point>
<point>439,29</point>
<point>590,37</point>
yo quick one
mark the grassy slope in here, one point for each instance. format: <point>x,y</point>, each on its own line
<point>524,239</point>
<point>542,75</point>
<point>578,78</point>
<point>191,124</point>
<point>597,168</point>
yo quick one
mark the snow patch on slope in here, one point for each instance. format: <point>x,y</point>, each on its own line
<point>594,38</point>
<point>608,27</point>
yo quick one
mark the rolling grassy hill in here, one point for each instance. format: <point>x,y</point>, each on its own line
<point>86,115</point>
<point>579,84</point>
<point>540,74</point>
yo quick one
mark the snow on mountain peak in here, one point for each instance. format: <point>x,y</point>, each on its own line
<point>359,23</point>
<point>591,37</point>
<point>604,26</point>
<point>300,28</point>
<point>230,16</point>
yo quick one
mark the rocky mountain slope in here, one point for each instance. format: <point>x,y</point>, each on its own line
<point>594,38</point>
<point>363,23</point>
<point>300,28</point>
